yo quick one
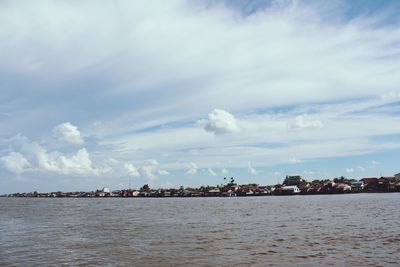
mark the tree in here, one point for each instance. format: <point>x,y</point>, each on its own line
<point>145,188</point>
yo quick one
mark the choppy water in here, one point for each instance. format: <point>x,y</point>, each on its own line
<point>340,230</point>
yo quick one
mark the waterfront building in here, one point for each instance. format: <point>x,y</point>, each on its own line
<point>290,190</point>
<point>293,180</point>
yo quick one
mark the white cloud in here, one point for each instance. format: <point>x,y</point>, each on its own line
<point>224,171</point>
<point>374,162</point>
<point>131,170</point>
<point>15,162</point>
<point>78,164</point>
<point>349,170</point>
<point>302,122</point>
<point>211,172</point>
<point>294,161</point>
<point>393,95</point>
<point>42,160</point>
<point>163,172</point>
<point>277,173</point>
<point>361,168</point>
<point>68,133</point>
<point>251,170</point>
<point>268,67</point>
<point>148,171</point>
<point>220,122</point>
<point>192,169</point>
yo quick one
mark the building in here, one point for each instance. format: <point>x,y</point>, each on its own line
<point>293,180</point>
<point>290,190</point>
<point>397,176</point>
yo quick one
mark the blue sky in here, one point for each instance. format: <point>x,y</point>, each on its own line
<point>181,92</point>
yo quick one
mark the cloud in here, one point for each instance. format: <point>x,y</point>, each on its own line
<point>269,66</point>
<point>374,162</point>
<point>192,169</point>
<point>224,171</point>
<point>277,173</point>
<point>301,122</point>
<point>220,122</point>
<point>163,172</point>
<point>131,170</point>
<point>211,172</point>
<point>361,168</point>
<point>80,164</point>
<point>393,95</point>
<point>251,170</point>
<point>68,133</point>
<point>294,161</point>
<point>150,169</point>
<point>42,160</point>
<point>15,162</point>
<point>349,170</point>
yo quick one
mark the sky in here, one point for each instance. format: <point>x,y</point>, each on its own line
<point>186,92</point>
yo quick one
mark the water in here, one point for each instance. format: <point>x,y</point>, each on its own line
<point>340,230</point>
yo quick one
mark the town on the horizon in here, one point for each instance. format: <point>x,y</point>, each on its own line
<point>291,185</point>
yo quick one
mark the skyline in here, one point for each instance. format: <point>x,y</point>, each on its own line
<point>102,94</point>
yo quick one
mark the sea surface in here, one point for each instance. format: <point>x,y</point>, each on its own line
<point>337,230</point>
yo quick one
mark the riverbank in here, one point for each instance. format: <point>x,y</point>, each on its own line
<point>292,185</point>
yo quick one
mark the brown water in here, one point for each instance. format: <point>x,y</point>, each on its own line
<point>339,230</point>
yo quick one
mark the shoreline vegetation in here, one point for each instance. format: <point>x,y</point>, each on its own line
<point>292,185</point>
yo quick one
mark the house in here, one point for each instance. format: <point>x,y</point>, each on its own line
<point>341,188</point>
<point>135,193</point>
<point>387,184</point>
<point>356,186</point>
<point>212,192</point>
<point>397,177</point>
<point>290,190</point>
<point>370,184</point>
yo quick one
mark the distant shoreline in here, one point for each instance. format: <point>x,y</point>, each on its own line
<point>155,197</point>
<point>292,185</point>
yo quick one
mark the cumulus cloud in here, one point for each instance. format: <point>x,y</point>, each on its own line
<point>282,57</point>
<point>349,170</point>
<point>42,160</point>
<point>302,122</point>
<point>151,169</point>
<point>131,170</point>
<point>15,162</point>
<point>68,133</point>
<point>148,171</point>
<point>192,169</point>
<point>220,122</point>
<point>80,164</point>
<point>251,170</point>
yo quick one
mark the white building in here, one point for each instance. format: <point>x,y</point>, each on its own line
<point>290,189</point>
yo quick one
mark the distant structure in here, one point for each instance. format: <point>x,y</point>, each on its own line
<point>397,176</point>
<point>290,190</point>
<point>294,180</point>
